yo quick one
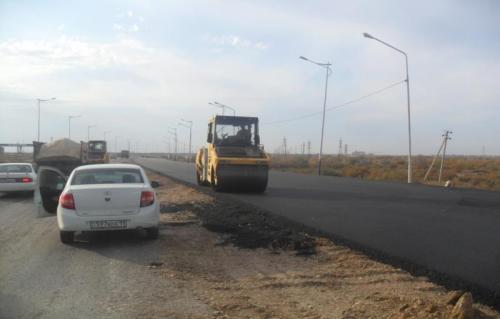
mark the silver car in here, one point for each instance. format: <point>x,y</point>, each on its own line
<point>17,177</point>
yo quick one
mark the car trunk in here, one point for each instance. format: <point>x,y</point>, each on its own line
<point>107,199</point>
<point>12,177</point>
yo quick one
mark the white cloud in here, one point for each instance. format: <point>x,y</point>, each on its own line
<point>134,28</point>
<point>235,42</point>
<point>130,13</point>
<point>117,27</point>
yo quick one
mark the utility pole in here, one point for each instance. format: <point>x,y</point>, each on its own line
<point>284,145</point>
<point>105,133</point>
<point>445,142</point>
<point>173,131</point>
<point>39,101</point>
<point>434,160</point>
<point>340,147</point>
<point>308,148</point>
<point>346,149</point>
<point>70,117</point>
<point>116,144</point>
<point>189,125</point>
<point>303,148</point>
<point>88,131</point>
<point>327,67</point>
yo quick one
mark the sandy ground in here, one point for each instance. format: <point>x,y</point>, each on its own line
<point>235,282</point>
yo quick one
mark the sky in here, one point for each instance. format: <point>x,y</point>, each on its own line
<point>135,69</point>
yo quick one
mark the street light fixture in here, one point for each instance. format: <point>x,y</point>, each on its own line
<point>223,107</point>
<point>369,36</point>
<point>70,117</point>
<point>88,131</point>
<point>41,100</point>
<point>189,125</point>
<point>328,69</point>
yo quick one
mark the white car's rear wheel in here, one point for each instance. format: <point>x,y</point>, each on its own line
<point>66,236</point>
<point>152,233</point>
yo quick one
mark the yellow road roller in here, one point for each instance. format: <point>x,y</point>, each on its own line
<point>233,159</point>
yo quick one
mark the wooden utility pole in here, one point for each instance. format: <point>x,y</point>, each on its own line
<point>445,141</point>
<point>340,147</point>
<point>443,145</point>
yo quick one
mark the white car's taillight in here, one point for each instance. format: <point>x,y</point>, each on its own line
<point>66,200</point>
<point>147,198</point>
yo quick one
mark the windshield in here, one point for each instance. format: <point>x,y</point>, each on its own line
<point>107,176</point>
<point>15,169</point>
<point>97,146</point>
<point>238,133</point>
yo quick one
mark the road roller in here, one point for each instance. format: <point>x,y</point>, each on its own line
<point>234,159</point>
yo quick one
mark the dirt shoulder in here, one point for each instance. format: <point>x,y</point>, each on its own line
<point>295,276</point>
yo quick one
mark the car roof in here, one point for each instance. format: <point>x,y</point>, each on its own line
<point>29,164</point>
<point>104,166</point>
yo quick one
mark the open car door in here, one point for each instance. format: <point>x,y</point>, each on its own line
<point>49,186</point>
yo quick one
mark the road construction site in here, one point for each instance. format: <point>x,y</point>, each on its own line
<point>215,258</point>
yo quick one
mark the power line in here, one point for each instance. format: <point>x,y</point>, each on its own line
<point>339,105</point>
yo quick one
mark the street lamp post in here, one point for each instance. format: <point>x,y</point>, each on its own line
<point>369,36</point>
<point>69,123</point>
<point>173,131</point>
<point>223,107</point>
<point>328,69</point>
<point>88,131</point>
<point>116,143</point>
<point>189,125</point>
<point>105,133</point>
<point>41,100</point>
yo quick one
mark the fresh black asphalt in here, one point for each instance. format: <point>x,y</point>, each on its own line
<point>451,231</point>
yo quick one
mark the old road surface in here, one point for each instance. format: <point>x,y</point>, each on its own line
<point>454,232</point>
<point>105,276</point>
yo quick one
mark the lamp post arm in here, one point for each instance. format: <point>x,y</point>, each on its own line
<point>389,45</point>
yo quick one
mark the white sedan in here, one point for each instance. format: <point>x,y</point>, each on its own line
<point>105,197</point>
<point>17,177</point>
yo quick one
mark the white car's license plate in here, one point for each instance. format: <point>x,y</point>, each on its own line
<point>108,224</point>
<point>7,180</point>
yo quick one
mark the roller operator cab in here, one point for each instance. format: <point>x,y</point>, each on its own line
<point>97,152</point>
<point>233,158</point>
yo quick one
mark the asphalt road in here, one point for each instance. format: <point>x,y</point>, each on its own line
<point>104,275</point>
<point>455,232</point>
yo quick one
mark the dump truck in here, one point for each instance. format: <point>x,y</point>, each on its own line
<point>124,154</point>
<point>55,161</point>
<point>233,159</point>
<point>63,154</point>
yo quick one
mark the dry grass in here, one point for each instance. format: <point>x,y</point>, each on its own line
<point>466,172</point>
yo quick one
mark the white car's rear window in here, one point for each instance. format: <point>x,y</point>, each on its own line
<point>107,176</point>
<point>15,169</point>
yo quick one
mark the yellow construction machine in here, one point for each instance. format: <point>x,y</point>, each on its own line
<point>233,158</point>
